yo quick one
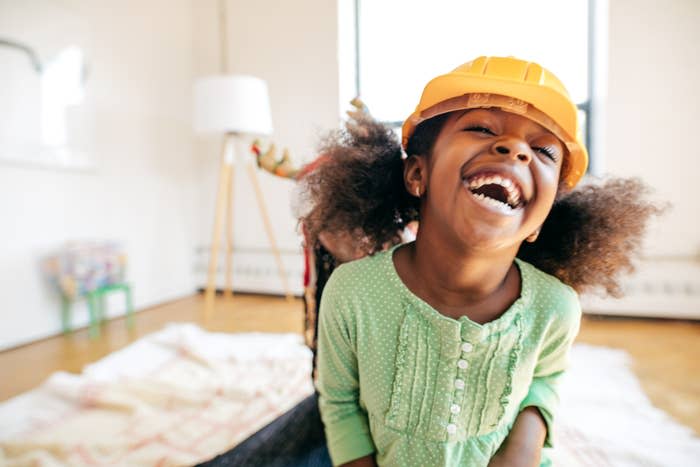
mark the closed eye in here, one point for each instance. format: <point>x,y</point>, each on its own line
<point>547,151</point>
<point>480,129</point>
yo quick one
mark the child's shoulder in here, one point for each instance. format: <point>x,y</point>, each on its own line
<point>370,270</point>
<point>550,295</point>
<point>364,268</point>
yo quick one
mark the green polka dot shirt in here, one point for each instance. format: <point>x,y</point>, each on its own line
<point>398,379</point>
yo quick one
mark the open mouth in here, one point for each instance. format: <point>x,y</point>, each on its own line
<point>496,190</point>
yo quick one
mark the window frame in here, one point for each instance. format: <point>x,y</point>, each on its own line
<point>592,107</point>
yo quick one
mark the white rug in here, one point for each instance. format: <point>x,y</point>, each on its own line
<point>606,419</point>
<point>182,395</point>
<point>175,397</point>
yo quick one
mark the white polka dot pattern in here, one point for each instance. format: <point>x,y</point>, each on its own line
<point>400,379</point>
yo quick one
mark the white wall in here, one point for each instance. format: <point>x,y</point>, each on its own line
<point>142,189</point>
<point>653,118</point>
<point>293,47</point>
<point>153,184</point>
<point>654,110</point>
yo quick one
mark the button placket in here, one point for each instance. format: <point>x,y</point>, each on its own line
<point>459,385</point>
<point>462,364</point>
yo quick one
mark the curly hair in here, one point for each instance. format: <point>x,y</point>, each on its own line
<point>588,240</point>
<point>359,186</point>
<point>591,235</point>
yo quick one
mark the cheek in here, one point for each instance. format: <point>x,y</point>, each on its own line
<point>547,186</point>
<point>549,175</point>
<point>443,173</point>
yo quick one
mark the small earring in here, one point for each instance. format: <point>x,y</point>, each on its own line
<point>418,192</point>
<point>533,236</point>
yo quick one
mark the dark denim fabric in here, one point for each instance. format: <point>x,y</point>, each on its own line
<point>295,439</point>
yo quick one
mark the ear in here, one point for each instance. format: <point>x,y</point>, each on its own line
<point>415,171</point>
<point>532,238</point>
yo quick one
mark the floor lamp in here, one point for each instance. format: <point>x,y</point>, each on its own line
<point>233,105</point>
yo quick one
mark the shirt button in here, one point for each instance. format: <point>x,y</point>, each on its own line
<point>455,409</point>
<point>459,384</point>
<point>452,428</point>
<point>467,347</point>
<point>462,364</point>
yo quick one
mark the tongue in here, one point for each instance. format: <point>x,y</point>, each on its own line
<point>494,191</point>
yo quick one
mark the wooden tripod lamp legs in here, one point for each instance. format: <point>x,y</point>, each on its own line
<point>268,229</point>
<point>223,202</point>
<point>228,289</point>
<point>224,208</point>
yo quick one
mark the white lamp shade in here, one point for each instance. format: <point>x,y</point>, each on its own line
<point>232,103</point>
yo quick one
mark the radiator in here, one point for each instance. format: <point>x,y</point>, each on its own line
<point>662,288</point>
<point>254,270</point>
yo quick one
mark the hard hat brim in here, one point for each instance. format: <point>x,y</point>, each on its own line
<point>441,96</point>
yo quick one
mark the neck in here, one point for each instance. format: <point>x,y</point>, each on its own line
<point>454,279</point>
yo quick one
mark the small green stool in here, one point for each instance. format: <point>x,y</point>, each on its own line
<point>96,308</point>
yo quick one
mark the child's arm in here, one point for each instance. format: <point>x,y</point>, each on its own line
<point>533,426</point>
<point>553,361</point>
<point>523,445</point>
<point>346,425</point>
<point>367,461</point>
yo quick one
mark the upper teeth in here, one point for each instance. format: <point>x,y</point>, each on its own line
<point>511,187</point>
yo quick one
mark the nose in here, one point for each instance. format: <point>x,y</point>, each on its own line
<point>514,148</point>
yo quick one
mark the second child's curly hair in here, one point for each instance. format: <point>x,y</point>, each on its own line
<point>358,187</point>
<point>587,241</point>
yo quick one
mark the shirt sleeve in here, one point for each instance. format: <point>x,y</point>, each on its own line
<point>553,360</point>
<point>346,424</point>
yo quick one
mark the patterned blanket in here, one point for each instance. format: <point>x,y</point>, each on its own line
<point>182,395</point>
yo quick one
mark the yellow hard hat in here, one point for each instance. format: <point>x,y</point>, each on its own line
<point>513,85</point>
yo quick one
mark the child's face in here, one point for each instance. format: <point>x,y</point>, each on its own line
<point>491,178</point>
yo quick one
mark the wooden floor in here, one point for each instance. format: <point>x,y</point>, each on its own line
<point>666,354</point>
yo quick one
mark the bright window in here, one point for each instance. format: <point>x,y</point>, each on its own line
<point>402,44</point>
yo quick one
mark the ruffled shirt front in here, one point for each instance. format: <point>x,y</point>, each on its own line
<point>401,380</point>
